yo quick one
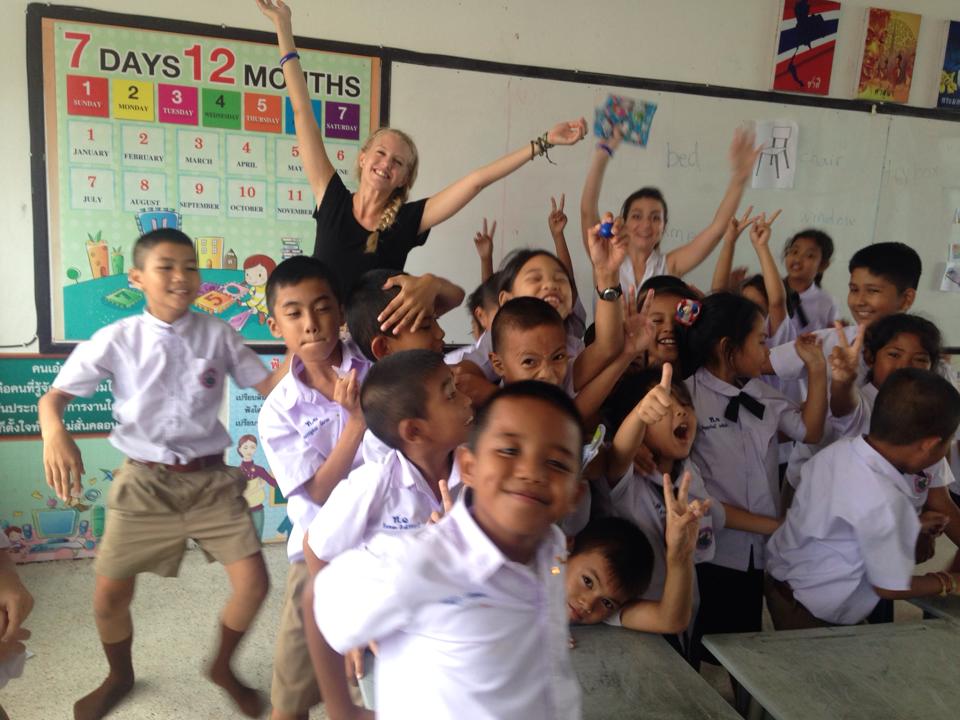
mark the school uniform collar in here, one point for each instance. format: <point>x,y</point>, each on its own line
<point>180,326</point>
<point>484,558</point>
<point>739,396</point>
<point>294,388</point>
<point>411,476</point>
<point>903,482</point>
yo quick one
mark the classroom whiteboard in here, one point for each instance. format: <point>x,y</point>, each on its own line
<point>861,177</point>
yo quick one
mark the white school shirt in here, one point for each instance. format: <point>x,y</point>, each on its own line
<point>738,461</point>
<point>167,381</point>
<point>480,356</point>
<point>819,307</point>
<point>389,496</point>
<point>639,498</point>
<point>852,527</point>
<point>299,428</point>
<point>656,265</point>
<point>857,423</point>
<point>463,632</point>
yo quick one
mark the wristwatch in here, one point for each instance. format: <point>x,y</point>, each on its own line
<point>611,293</point>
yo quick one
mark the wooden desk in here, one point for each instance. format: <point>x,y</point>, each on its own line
<point>907,670</point>
<point>626,674</point>
<point>940,607</point>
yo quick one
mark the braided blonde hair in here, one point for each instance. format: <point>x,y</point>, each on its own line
<point>400,195</point>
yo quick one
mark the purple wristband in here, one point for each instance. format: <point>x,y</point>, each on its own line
<point>606,148</point>
<point>288,57</point>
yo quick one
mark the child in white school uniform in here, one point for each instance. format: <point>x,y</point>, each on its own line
<point>895,342</point>
<point>883,280</point>
<point>850,536</point>
<point>411,404</point>
<point>168,366</point>
<point>540,274</point>
<point>738,420</point>
<point>469,614</point>
<point>311,427</point>
<point>662,420</point>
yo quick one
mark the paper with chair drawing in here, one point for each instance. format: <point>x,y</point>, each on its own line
<point>777,162</point>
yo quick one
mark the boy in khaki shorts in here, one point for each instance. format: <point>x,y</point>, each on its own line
<point>311,427</point>
<point>167,367</point>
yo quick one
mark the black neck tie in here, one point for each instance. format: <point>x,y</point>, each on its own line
<point>795,307</point>
<point>748,401</point>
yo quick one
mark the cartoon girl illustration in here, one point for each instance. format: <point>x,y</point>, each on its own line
<point>256,270</point>
<point>258,477</point>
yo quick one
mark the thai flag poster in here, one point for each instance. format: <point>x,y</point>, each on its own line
<point>808,38</point>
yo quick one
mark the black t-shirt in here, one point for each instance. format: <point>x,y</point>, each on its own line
<point>341,239</point>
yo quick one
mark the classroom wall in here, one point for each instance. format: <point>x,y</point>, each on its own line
<point>700,41</point>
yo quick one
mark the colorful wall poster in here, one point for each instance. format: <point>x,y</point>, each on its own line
<point>805,46</point>
<point>148,128</point>
<point>266,502</point>
<point>949,95</point>
<point>38,524</point>
<point>889,51</point>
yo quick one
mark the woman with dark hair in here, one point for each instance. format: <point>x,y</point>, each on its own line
<point>644,214</point>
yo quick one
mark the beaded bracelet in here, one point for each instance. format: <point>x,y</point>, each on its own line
<point>539,146</point>
<point>606,148</point>
<point>293,54</point>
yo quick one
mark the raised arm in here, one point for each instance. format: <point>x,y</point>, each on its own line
<point>313,155</point>
<point>557,222</point>
<point>483,241</point>
<point>652,407</point>
<point>844,371</point>
<point>743,155</point>
<point>337,466</point>
<point>606,254</point>
<point>723,273</point>
<point>815,406</point>
<point>590,196</point>
<point>62,464</point>
<point>772,283</point>
<point>454,197</point>
<point>671,614</point>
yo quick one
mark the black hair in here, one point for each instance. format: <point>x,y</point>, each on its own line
<point>821,239</point>
<point>485,294</point>
<point>914,404</point>
<point>294,271</point>
<point>149,240</point>
<point>755,282</point>
<point>887,328</point>
<point>893,261</point>
<point>522,313</point>
<point>645,192</point>
<point>514,262</point>
<point>666,285</point>
<point>631,389</point>
<point>367,300</point>
<point>395,389</point>
<point>625,548</point>
<point>528,389</point>
<point>722,315</point>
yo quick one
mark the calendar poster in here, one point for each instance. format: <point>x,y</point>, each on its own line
<point>149,128</point>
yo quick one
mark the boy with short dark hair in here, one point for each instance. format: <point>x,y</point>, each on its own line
<point>168,367</point>
<point>884,278</point>
<point>311,427</point>
<point>373,302</point>
<point>469,614</point>
<point>850,536</point>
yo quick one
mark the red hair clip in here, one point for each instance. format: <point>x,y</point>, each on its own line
<point>687,312</point>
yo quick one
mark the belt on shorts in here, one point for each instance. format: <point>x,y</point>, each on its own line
<point>192,466</point>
